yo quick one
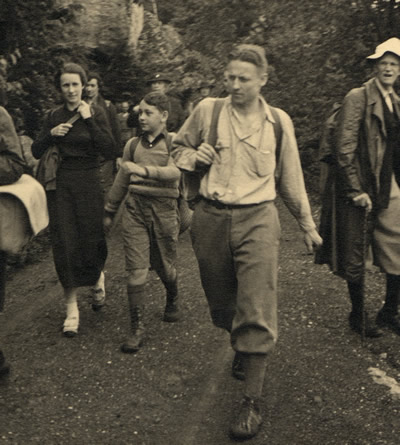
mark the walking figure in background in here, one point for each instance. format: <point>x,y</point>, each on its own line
<point>108,167</point>
<point>123,115</point>
<point>23,211</point>
<point>11,169</point>
<point>366,180</point>
<point>203,91</point>
<point>82,135</point>
<point>161,83</point>
<point>150,219</point>
<point>235,228</point>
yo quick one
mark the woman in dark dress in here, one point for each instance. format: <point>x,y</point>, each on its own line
<point>81,134</point>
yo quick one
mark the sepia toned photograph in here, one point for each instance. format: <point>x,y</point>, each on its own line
<point>199,205</point>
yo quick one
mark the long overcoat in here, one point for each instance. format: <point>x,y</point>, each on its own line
<point>360,144</point>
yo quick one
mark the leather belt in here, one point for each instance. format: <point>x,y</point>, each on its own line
<point>222,206</point>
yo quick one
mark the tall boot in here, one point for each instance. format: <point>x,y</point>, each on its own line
<point>388,316</point>
<point>171,313</point>
<point>356,315</point>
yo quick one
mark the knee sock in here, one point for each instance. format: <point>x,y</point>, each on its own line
<point>254,370</point>
<point>171,286</point>
<point>392,293</point>
<point>136,295</point>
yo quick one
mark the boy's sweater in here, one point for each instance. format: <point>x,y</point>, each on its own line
<point>162,178</point>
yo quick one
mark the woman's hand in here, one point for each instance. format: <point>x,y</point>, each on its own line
<point>61,130</point>
<point>84,110</point>
<point>107,224</point>
<point>363,200</point>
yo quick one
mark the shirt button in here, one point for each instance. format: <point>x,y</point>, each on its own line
<point>150,145</point>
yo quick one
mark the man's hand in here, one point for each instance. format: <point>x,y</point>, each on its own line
<point>60,130</point>
<point>107,223</point>
<point>363,200</point>
<point>84,110</point>
<point>131,168</point>
<point>206,155</point>
<point>312,240</point>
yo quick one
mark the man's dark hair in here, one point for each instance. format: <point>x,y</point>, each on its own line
<point>94,75</point>
<point>158,100</point>
<point>254,54</point>
<point>71,68</point>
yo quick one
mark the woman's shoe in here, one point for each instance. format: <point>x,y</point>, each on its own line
<point>71,326</point>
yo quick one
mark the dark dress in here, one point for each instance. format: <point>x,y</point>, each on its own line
<point>76,206</point>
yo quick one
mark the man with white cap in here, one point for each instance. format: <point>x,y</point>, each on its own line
<point>367,191</point>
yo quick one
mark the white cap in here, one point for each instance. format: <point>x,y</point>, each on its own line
<point>390,46</point>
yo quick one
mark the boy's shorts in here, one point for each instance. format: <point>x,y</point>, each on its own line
<point>150,232</point>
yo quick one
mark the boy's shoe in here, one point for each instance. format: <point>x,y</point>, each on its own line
<point>171,312</point>
<point>99,293</point>
<point>133,343</point>
<point>237,366</point>
<point>248,422</point>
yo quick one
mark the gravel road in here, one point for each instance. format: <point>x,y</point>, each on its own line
<point>322,386</point>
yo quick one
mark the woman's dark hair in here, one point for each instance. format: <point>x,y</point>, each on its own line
<point>158,100</point>
<point>71,68</point>
<point>254,54</point>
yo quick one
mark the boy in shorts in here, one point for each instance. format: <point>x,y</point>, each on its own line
<point>150,220</point>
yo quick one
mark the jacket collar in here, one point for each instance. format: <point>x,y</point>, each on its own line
<point>373,93</point>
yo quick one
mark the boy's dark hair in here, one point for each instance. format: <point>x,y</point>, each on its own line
<point>254,54</point>
<point>71,68</point>
<point>158,100</point>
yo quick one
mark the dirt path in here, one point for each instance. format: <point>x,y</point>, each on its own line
<point>178,390</point>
